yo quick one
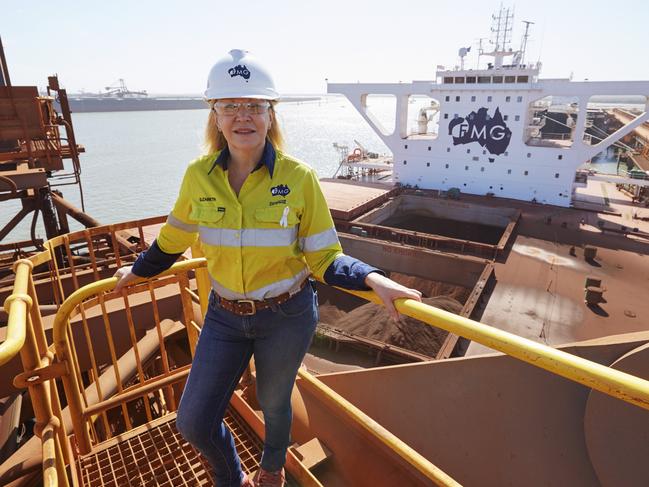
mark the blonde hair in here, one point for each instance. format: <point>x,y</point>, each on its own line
<point>215,140</point>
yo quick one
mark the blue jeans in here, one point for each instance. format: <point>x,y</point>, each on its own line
<point>279,339</point>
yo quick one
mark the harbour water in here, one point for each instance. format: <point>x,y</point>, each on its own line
<point>134,161</point>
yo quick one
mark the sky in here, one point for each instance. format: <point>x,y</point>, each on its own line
<point>168,46</point>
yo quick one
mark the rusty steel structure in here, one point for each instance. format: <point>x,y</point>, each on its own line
<point>34,143</point>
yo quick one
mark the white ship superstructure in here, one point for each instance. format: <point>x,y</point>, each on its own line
<point>482,131</point>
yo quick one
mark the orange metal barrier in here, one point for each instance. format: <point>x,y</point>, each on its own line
<point>100,413</point>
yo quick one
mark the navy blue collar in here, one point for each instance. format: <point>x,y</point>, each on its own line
<point>267,159</point>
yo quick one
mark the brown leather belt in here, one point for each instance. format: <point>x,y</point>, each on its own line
<point>248,307</point>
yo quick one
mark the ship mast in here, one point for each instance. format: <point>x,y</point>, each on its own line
<point>524,41</point>
<point>501,32</point>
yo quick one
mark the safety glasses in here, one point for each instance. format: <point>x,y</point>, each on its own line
<point>229,108</point>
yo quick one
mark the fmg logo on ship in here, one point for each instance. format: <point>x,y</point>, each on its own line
<point>491,133</point>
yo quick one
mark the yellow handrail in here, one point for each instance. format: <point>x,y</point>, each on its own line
<point>593,375</point>
<point>17,306</point>
<point>605,379</point>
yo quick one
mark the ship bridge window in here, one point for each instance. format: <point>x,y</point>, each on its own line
<point>508,99</point>
<point>519,99</point>
<point>423,116</point>
<point>510,79</point>
<point>523,79</point>
<point>497,79</point>
<point>473,98</point>
<point>559,157</point>
<point>556,175</point>
<point>505,117</point>
<point>470,79</point>
<point>489,98</point>
<point>484,79</point>
<point>448,79</point>
<point>459,80</point>
<point>457,98</point>
<point>517,118</point>
<point>445,115</point>
<point>447,98</point>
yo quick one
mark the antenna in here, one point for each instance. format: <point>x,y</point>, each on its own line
<point>501,28</point>
<point>524,41</point>
<point>501,31</point>
<point>480,51</point>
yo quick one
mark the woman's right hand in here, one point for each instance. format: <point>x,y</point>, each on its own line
<point>124,276</point>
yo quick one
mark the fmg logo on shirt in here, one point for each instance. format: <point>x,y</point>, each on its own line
<point>491,133</point>
<point>280,190</point>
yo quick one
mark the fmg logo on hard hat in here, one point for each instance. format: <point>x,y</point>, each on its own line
<point>239,70</point>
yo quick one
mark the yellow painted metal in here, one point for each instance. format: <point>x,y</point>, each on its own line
<point>613,382</point>
<point>64,349</point>
<point>67,307</point>
<point>411,456</point>
<point>25,336</point>
<point>202,279</point>
<point>17,306</point>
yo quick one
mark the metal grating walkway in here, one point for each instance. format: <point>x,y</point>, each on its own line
<point>155,454</point>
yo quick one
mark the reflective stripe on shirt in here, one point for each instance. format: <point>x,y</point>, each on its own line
<point>289,285</point>
<point>175,222</point>
<point>319,241</point>
<point>248,237</point>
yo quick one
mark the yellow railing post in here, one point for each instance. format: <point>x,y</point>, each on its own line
<point>19,306</point>
<point>202,279</point>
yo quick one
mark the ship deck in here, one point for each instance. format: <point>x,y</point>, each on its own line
<point>540,286</point>
<point>540,291</point>
<point>349,199</point>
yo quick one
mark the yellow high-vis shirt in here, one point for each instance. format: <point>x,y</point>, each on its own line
<point>259,244</point>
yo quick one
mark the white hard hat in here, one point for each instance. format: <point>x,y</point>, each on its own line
<point>240,75</point>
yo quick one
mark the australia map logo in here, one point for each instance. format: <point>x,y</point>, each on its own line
<point>490,132</point>
<point>280,190</point>
<point>239,70</point>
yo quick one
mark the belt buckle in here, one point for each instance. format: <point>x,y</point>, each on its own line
<point>252,306</point>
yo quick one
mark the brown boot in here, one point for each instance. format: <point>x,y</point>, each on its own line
<point>264,478</point>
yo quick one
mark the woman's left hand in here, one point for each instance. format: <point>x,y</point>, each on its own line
<point>388,291</point>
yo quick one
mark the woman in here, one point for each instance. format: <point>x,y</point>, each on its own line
<point>265,228</point>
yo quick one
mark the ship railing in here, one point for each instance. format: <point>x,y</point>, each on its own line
<point>42,282</point>
<point>633,174</point>
<point>555,136</point>
<point>93,409</point>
